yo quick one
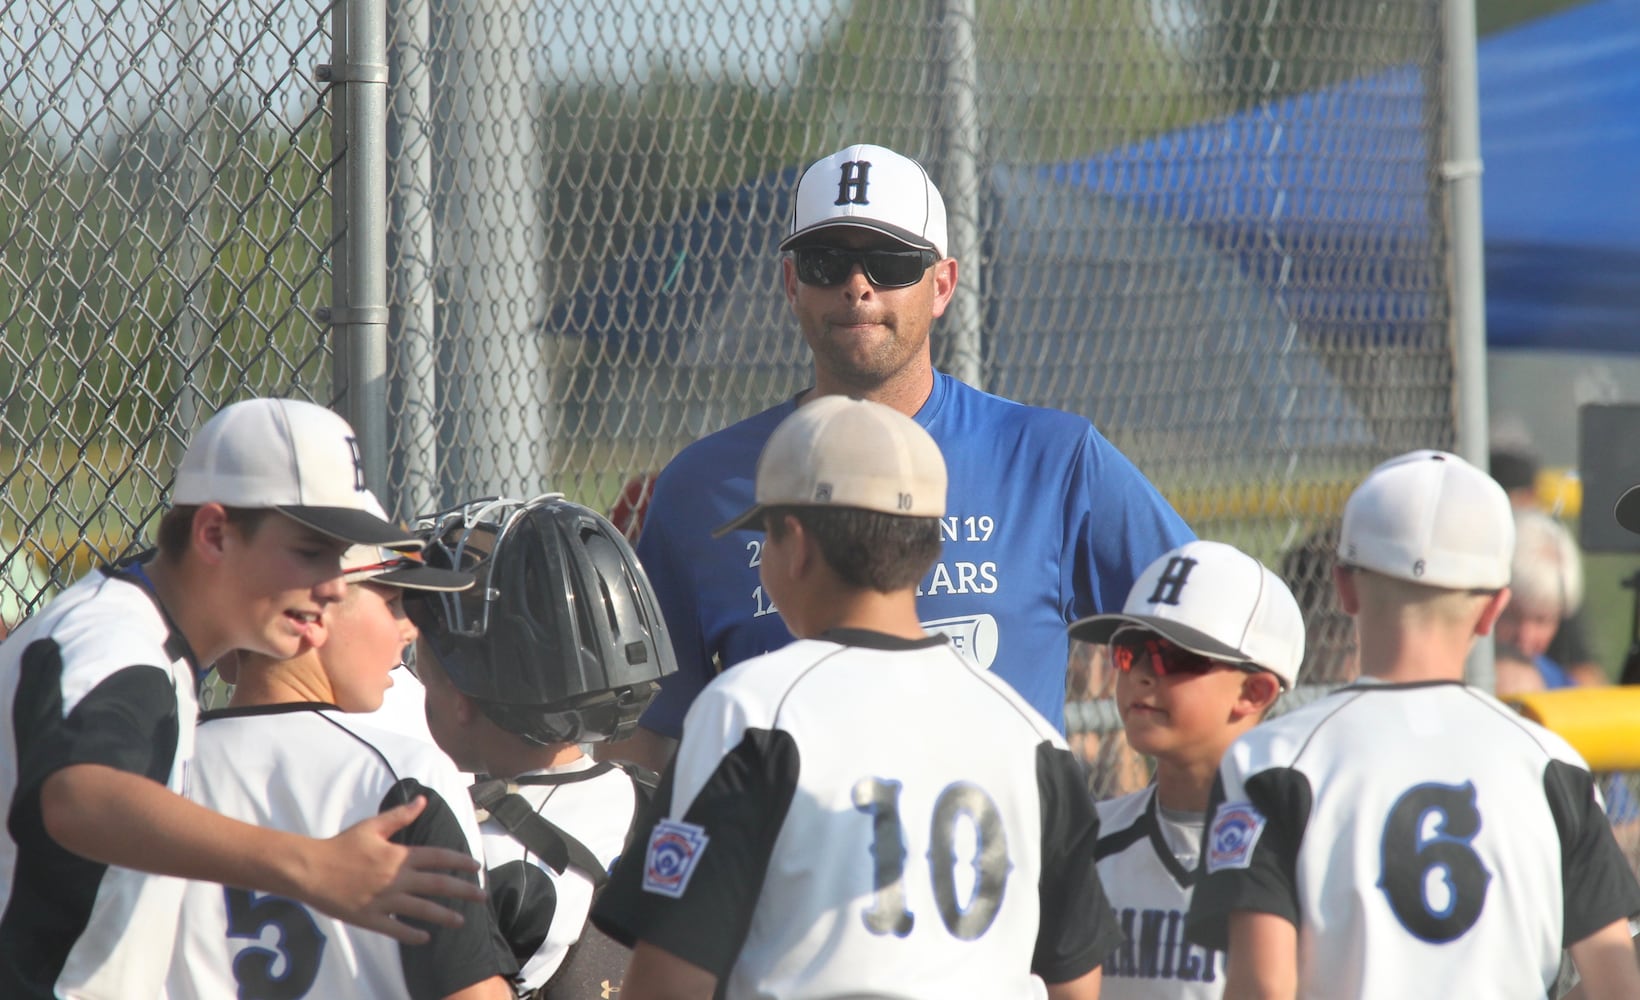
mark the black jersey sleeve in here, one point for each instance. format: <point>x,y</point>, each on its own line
<point>1598,884</point>
<point>455,957</point>
<point>1077,927</point>
<point>128,721</point>
<point>739,812</point>
<point>1264,879</point>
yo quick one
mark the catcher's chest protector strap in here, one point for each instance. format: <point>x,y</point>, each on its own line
<point>554,845</point>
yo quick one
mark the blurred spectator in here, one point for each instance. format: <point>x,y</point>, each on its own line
<point>1546,579</point>
<point>1517,673</point>
<point>1515,466</point>
<point>1329,645</point>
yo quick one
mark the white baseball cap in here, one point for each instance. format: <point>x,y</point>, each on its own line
<point>836,451</point>
<point>869,187</point>
<point>372,563</point>
<point>1430,517</point>
<point>1215,600</point>
<point>293,456</point>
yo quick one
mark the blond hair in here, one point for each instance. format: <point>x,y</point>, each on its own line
<point>1546,573</point>
<point>1386,597</point>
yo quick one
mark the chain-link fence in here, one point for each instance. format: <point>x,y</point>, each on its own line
<point>1215,227</point>
<point>163,221</point>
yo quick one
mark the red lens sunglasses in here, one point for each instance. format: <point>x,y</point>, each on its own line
<point>1131,646</point>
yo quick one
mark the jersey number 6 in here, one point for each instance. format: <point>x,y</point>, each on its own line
<point>1435,882</point>
<point>888,914</point>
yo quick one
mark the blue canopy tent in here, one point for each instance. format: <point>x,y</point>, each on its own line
<point>1322,195</point>
<point>1561,194</point>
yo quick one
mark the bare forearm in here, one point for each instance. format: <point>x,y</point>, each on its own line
<point>656,974</point>
<point>1262,963</point>
<point>124,819</point>
<point>1606,963</point>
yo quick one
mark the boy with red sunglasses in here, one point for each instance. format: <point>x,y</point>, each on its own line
<point>1206,642</point>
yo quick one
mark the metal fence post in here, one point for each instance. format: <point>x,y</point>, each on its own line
<point>357,74</point>
<point>412,273</point>
<point>961,125</point>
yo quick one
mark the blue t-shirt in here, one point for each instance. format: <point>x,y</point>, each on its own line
<point>1045,522</point>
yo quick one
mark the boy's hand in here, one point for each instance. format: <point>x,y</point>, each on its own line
<point>363,878</point>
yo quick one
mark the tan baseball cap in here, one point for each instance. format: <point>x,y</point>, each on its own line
<point>836,451</point>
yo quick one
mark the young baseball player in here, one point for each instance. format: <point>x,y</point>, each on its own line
<point>289,753</point>
<point>561,644</point>
<point>864,812</point>
<point>1207,641</point>
<point>98,691</point>
<point>1409,835</point>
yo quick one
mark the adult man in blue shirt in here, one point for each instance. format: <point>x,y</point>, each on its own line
<point>1047,521</point>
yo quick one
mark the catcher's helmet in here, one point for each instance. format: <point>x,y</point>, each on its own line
<point>561,639</point>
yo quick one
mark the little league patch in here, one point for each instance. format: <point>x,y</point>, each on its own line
<point>1236,829</point>
<point>675,847</point>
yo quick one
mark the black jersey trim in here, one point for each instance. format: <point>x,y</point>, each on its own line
<point>252,711</point>
<point>1146,827</point>
<point>871,639</point>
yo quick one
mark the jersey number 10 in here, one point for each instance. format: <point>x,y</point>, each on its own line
<point>880,798</point>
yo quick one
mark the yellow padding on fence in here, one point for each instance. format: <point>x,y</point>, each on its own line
<point>1602,723</point>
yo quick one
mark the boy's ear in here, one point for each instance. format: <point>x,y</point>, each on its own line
<point>1258,692</point>
<point>207,534</point>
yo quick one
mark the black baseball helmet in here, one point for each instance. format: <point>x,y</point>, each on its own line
<point>561,639</point>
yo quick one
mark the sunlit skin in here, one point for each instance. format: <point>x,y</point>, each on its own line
<point>444,709</point>
<point>867,341</point>
<point>368,632</point>
<point>1187,722</point>
<point>266,592</point>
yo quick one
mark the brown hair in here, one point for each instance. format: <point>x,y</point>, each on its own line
<point>177,526</point>
<point>867,550</point>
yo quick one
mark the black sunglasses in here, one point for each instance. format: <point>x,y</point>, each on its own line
<point>828,266</point>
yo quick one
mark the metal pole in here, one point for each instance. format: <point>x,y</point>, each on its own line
<point>412,290</point>
<point>1461,172</point>
<point>960,109</point>
<point>491,243</point>
<point>358,314</point>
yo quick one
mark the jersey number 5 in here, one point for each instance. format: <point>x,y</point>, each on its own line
<point>285,971</point>
<point>1435,882</point>
<point>888,914</point>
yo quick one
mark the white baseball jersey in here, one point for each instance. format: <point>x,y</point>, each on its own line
<point>864,815</point>
<point>313,770</point>
<point>542,912</point>
<point>1147,864</point>
<point>1423,838</point>
<point>95,677</point>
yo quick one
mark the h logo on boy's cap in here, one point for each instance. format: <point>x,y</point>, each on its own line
<point>1172,580</point>
<point>851,186</point>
